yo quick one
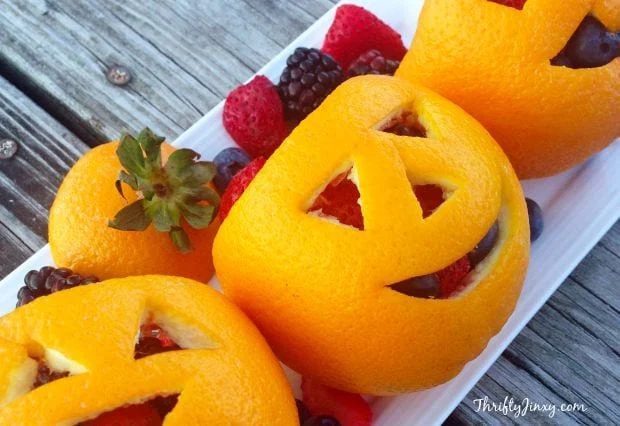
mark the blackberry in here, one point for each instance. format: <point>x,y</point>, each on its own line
<point>49,280</point>
<point>45,375</point>
<point>308,78</point>
<point>372,62</point>
<point>535,215</point>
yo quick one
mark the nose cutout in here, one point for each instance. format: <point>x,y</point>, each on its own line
<point>340,202</point>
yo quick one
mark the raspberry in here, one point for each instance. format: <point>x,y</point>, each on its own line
<point>452,277</point>
<point>349,409</point>
<point>429,196</point>
<point>372,62</point>
<point>132,415</point>
<point>238,184</point>
<point>517,4</point>
<point>49,280</point>
<point>339,199</point>
<point>355,31</point>
<point>306,81</point>
<point>254,117</point>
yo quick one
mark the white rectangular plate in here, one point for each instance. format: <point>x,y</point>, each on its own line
<point>580,205</point>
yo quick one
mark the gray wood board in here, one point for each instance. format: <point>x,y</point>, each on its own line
<point>185,56</point>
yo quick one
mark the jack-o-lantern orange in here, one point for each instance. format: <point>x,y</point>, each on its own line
<point>331,299</point>
<point>542,79</point>
<point>80,357</point>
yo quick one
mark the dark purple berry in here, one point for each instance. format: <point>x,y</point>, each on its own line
<point>24,296</point>
<point>372,62</point>
<point>535,215</point>
<point>321,421</point>
<point>308,78</point>
<point>590,46</point>
<point>49,280</point>
<point>302,411</point>
<point>34,281</point>
<point>424,286</point>
<point>45,375</point>
<point>485,245</point>
<point>229,162</point>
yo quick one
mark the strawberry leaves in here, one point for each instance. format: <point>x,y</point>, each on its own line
<point>168,193</point>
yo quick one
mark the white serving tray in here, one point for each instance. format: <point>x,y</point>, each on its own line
<point>580,205</point>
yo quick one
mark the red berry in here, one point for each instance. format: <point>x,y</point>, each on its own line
<point>132,415</point>
<point>429,196</point>
<point>340,200</point>
<point>452,277</point>
<point>355,31</point>
<point>349,409</point>
<point>254,117</point>
<point>517,4</point>
<point>238,184</point>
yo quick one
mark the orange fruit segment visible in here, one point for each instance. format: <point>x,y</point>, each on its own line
<point>81,239</point>
<point>494,61</point>
<point>319,290</point>
<point>224,374</point>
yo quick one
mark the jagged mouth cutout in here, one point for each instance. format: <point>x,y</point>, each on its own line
<point>592,45</point>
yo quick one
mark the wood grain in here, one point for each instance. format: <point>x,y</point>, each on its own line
<point>28,180</point>
<point>185,56</point>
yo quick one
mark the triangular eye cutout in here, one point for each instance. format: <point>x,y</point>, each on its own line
<point>163,333</point>
<point>152,340</point>
<point>339,202</point>
<point>430,197</point>
<point>404,123</point>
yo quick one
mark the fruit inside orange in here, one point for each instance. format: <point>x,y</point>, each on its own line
<point>494,61</point>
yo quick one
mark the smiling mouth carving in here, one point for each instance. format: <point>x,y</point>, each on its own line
<point>591,46</point>
<point>430,286</point>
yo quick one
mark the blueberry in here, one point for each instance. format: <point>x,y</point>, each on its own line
<point>590,46</point>
<point>302,411</point>
<point>485,245</point>
<point>536,219</point>
<point>228,163</point>
<point>321,421</point>
<point>424,286</point>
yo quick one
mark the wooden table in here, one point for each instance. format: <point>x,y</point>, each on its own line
<point>184,57</point>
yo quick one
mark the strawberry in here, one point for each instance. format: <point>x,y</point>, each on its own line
<point>340,200</point>
<point>452,277</point>
<point>517,4</point>
<point>132,415</point>
<point>429,196</point>
<point>254,117</point>
<point>238,184</point>
<point>349,409</point>
<point>355,31</point>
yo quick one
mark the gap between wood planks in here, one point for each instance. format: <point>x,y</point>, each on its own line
<point>184,57</point>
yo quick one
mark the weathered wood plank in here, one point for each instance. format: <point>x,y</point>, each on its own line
<point>28,180</point>
<point>568,353</point>
<point>184,57</point>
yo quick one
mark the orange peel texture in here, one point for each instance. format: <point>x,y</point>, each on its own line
<point>80,238</point>
<point>494,61</point>
<point>226,375</point>
<point>318,290</point>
